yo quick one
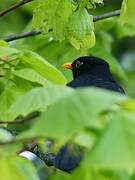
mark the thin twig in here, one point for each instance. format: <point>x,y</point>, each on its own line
<point>14,6</point>
<point>106,15</point>
<point>34,33</point>
<point>21,120</point>
<point>20,36</point>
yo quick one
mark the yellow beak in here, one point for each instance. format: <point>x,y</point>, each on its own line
<point>67,65</point>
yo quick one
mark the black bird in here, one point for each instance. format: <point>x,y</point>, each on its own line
<point>87,71</point>
<point>92,71</point>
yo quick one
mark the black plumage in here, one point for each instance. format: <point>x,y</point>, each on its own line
<point>93,71</point>
<point>87,71</point>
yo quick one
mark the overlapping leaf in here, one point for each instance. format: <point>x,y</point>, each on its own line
<point>80,29</point>
<point>30,75</point>
<point>115,148</point>
<point>17,168</point>
<point>50,14</point>
<point>38,99</point>
<point>73,112</point>
<point>43,67</point>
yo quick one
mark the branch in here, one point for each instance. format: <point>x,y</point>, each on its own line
<point>106,15</point>
<point>20,36</point>
<point>13,7</point>
<point>21,120</point>
<point>34,33</point>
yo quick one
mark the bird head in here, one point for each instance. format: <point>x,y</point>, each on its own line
<point>88,65</point>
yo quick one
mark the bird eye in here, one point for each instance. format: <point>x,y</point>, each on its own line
<point>78,64</point>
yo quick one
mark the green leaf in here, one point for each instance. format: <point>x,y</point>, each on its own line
<point>6,99</point>
<point>43,67</point>
<point>3,43</point>
<point>17,168</point>
<point>115,147</point>
<point>8,53</point>
<point>31,75</point>
<point>89,4</point>
<point>128,16</point>
<point>80,29</point>
<point>10,94</point>
<point>50,14</point>
<point>72,113</point>
<point>102,49</point>
<point>129,105</point>
<point>38,99</point>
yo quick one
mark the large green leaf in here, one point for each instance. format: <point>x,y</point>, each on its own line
<point>43,67</point>
<point>9,95</point>
<point>50,14</point>
<point>128,16</point>
<point>38,99</point>
<point>115,148</point>
<point>72,113</point>
<point>17,168</point>
<point>81,29</point>
<point>30,75</point>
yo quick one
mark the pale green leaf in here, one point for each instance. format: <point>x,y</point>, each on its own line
<point>72,113</point>
<point>38,99</point>
<point>115,148</point>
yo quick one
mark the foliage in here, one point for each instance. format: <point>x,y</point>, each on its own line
<point>32,80</point>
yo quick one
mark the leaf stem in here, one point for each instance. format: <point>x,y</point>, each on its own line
<point>20,36</point>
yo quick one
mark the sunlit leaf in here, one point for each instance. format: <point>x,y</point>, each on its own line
<point>80,29</point>
<point>43,67</point>
<point>31,75</point>
<point>17,168</point>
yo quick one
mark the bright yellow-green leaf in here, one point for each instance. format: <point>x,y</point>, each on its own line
<point>80,29</point>
<point>50,14</point>
<point>128,17</point>
<point>30,75</point>
<point>43,67</point>
<point>3,43</point>
<point>17,168</point>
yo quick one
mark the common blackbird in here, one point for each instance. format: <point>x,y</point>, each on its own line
<point>87,71</point>
<point>92,71</point>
